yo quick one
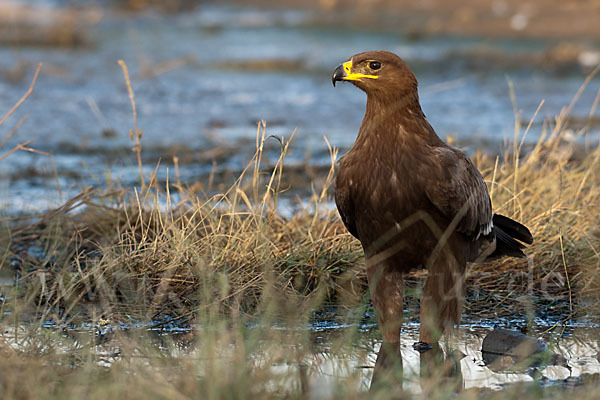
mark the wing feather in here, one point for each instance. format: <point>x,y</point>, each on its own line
<point>459,191</point>
<point>343,201</point>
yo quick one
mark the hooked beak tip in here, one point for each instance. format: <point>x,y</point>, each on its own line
<point>338,74</point>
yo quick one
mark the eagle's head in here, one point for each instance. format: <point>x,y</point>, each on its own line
<point>377,72</point>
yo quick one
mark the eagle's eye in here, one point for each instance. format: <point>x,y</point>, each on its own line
<point>374,65</point>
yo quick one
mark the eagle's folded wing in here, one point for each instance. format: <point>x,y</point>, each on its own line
<point>344,205</point>
<point>459,192</point>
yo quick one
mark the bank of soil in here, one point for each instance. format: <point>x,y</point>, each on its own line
<point>498,18</point>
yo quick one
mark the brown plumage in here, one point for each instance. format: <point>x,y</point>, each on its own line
<point>413,201</point>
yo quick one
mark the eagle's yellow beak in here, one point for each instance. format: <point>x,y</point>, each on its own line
<point>344,73</point>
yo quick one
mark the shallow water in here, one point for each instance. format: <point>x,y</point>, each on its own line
<point>204,78</point>
<point>325,365</point>
<point>333,347</point>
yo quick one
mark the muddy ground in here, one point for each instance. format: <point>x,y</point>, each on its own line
<point>497,18</point>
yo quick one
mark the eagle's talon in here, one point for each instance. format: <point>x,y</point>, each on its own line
<point>422,347</point>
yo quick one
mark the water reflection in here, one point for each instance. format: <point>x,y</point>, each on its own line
<point>319,370</point>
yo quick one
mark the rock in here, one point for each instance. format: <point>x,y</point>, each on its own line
<point>422,347</point>
<point>504,349</point>
<point>512,343</point>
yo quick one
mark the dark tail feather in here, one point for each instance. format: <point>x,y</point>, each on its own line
<point>513,228</point>
<point>508,234</point>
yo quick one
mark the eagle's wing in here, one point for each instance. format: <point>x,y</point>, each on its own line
<point>458,190</point>
<point>343,201</point>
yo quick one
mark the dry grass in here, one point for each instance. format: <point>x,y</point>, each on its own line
<point>555,190</point>
<point>137,253</point>
<point>125,252</point>
<point>141,254</point>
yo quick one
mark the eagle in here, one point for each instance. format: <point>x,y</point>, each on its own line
<point>413,201</point>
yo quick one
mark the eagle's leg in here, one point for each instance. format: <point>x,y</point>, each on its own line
<point>440,372</point>
<point>387,292</point>
<point>443,297</point>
